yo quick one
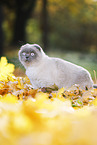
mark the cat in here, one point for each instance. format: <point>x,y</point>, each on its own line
<point>45,71</point>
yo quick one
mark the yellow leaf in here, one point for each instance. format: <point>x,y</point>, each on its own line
<point>6,69</point>
<point>9,99</point>
<point>3,61</point>
<point>94,102</point>
<point>20,123</point>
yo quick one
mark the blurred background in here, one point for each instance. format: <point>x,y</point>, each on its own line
<point>63,28</point>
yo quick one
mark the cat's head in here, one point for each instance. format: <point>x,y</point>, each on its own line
<point>30,54</point>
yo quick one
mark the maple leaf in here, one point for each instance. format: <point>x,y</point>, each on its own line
<point>6,69</point>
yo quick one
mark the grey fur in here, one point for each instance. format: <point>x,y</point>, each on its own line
<point>44,71</point>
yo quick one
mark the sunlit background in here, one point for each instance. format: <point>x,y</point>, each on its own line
<point>63,28</point>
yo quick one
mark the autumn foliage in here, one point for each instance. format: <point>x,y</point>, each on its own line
<point>47,116</point>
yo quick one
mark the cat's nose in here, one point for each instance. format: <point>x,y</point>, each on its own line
<point>27,56</point>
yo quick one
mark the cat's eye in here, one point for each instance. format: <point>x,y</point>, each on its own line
<point>32,54</point>
<point>24,53</point>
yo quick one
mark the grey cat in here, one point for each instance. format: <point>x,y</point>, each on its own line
<point>45,71</point>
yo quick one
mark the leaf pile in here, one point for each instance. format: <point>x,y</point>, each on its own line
<point>47,116</point>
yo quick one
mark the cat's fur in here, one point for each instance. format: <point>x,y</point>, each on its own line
<point>44,71</point>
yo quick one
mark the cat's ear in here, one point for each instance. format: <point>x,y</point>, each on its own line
<point>37,46</point>
<point>25,46</point>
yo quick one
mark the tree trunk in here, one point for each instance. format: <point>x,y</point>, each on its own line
<point>23,10</point>
<point>44,25</point>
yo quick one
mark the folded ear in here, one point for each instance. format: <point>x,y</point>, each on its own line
<point>37,46</point>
